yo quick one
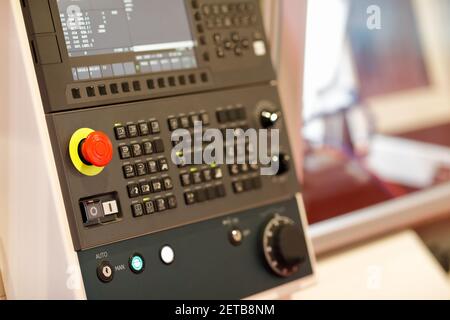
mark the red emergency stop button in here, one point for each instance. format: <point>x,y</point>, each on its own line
<point>97,149</point>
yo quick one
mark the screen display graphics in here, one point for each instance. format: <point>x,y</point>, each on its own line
<point>157,32</point>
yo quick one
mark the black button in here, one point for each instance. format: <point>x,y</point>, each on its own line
<point>157,186</point>
<point>186,179</point>
<point>146,188</point>
<point>168,184</point>
<point>172,82</point>
<point>238,187</point>
<point>257,183</point>
<point>205,119</point>
<point>133,191</point>
<point>76,94</point>
<point>232,115</point>
<point>241,113</point>
<point>234,169</point>
<point>149,207</point>
<point>248,184</point>
<point>182,80</point>
<point>152,167</point>
<point>151,84</point>
<point>220,191</point>
<point>238,51</point>
<point>206,10</point>
<point>218,174</point>
<point>163,165</point>
<point>172,202</point>
<point>198,16</point>
<point>173,124</point>
<point>132,131</point>
<point>102,90</point>
<point>228,45</point>
<point>136,86</point>
<point>197,177</point>
<point>137,150</point>
<point>222,116</point>
<point>189,198</point>
<point>144,129</point>
<point>204,77</point>
<point>114,88</point>
<point>220,53</point>
<point>206,56</point>
<point>138,210</point>
<point>202,40</point>
<point>158,144</point>
<point>121,133</point>
<point>185,123</point>
<point>207,175</point>
<point>211,193</point>
<point>161,205</point>
<point>200,28</point>
<point>201,195</point>
<point>90,91</point>
<point>161,82</point>
<point>217,38</point>
<point>141,169</point>
<point>195,118</point>
<point>245,43</point>
<point>235,37</point>
<point>148,148</point>
<point>125,87</point>
<point>192,79</point>
<point>125,152</point>
<point>129,171</point>
<point>155,127</point>
<point>195,4</point>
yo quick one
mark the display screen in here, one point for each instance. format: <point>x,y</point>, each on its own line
<point>157,31</point>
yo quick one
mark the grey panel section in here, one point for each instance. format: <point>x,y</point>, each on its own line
<point>76,186</point>
<point>206,265</point>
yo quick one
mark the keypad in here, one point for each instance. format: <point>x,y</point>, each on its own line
<point>205,194</point>
<point>150,207</point>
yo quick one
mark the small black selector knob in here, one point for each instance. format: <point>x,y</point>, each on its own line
<point>269,119</point>
<point>282,162</point>
<point>284,246</point>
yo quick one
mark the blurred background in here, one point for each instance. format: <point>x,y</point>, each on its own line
<point>375,109</point>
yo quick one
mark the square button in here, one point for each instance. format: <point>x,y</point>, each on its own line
<point>144,129</point>
<point>138,210</point>
<point>173,124</point>
<point>125,152</point>
<point>129,171</point>
<point>125,87</point>
<point>133,131</point>
<point>172,202</point>
<point>155,127</point>
<point>102,90</point>
<point>157,186</point>
<point>136,86</point>
<point>149,207</point>
<point>137,150</point>
<point>163,165</point>
<point>141,169</point>
<point>197,177</point>
<point>152,167</point>
<point>121,133</point>
<point>76,94</point>
<point>90,91</point>
<point>133,191</point>
<point>190,198</point>
<point>114,88</point>
<point>158,145</point>
<point>110,208</point>
<point>146,188</point>
<point>186,179</point>
<point>168,184</point>
<point>148,148</point>
<point>161,205</point>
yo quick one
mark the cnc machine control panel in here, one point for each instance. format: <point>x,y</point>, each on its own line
<point>119,79</point>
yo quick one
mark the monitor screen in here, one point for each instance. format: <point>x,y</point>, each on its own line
<point>156,31</point>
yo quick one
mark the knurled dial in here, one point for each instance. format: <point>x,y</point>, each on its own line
<point>284,246</point>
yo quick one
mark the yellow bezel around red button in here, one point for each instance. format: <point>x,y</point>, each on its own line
<point>75,141</point>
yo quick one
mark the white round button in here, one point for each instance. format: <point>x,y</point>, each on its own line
<point>167,255</point>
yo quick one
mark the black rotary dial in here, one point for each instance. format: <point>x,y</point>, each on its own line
<point>284,246</point>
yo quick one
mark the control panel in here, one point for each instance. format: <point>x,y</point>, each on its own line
<point>138,95</point>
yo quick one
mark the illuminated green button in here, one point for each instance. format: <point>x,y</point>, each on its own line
<point>137,264</point>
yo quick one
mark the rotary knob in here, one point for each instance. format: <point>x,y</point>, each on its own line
<point>284,246</point>
<point>269,119</point>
